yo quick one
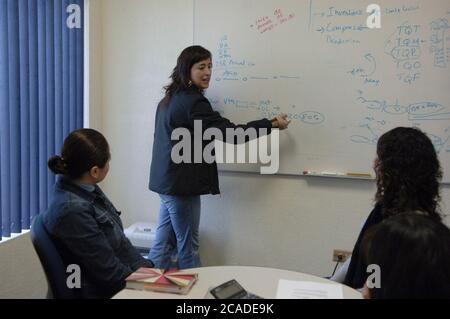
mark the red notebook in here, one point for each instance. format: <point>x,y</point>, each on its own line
<point>159,280</point>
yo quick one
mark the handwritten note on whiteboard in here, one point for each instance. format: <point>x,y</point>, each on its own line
<point>341,83</point>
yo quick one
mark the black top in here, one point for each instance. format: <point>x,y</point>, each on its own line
<point>357,270</point>
<point>88,232</point>
<point>169,178</point>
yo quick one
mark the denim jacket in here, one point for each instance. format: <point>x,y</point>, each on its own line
<point>88,232</point>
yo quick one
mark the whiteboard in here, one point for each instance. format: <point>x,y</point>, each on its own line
<point>342,84</point>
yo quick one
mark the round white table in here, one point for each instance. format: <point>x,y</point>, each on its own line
<point>258,280</point>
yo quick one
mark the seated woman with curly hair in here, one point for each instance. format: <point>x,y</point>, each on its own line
<point>407,175</point>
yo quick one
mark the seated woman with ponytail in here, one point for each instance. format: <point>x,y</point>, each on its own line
<point>83,223</point>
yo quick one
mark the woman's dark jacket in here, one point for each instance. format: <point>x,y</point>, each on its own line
<point>357,270</point>
<point>183,108</point>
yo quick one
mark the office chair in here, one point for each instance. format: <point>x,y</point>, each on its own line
<point>55,271</point>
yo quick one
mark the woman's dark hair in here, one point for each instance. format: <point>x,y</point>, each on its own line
<point>181,75</point>
<point>413,253</point>
<point>82,150</point>
<point>408,173</point>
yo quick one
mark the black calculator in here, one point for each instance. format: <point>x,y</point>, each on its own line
<point>232,290</point>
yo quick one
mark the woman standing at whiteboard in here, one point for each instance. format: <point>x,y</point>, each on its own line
<point>408,174</point>
<point>180,185</point>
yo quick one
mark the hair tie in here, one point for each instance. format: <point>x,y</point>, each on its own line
<point>63,161</point>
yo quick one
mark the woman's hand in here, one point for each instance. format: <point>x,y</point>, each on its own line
<point>281,122</point>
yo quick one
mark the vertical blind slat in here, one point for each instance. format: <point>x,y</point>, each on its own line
<point>65,69</point>
<point>4,125</point>
<point>34,108</point>
<point>58,78</point>
<point>24,116</point>
<point>50,82</point>
<point>72,78</point>
<point>42,78</point>
<point>14,116</point>
<point>5,134</point>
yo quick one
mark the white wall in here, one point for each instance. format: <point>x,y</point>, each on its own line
<point>276,221</point>
<point>21,273</point>
<point>138,43</point>
<point>93,63</point>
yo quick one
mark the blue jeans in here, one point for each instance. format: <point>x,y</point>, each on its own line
<point>177,232</point>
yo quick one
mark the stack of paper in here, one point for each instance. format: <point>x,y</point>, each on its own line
<point>288,289</point>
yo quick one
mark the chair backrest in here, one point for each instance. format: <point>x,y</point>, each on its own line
<point>51,261</point>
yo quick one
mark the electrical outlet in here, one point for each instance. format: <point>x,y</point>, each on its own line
<point>341,255</point>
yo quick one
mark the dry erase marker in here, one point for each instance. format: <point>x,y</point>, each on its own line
<point>359,175</point>
<point>331,174</point>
